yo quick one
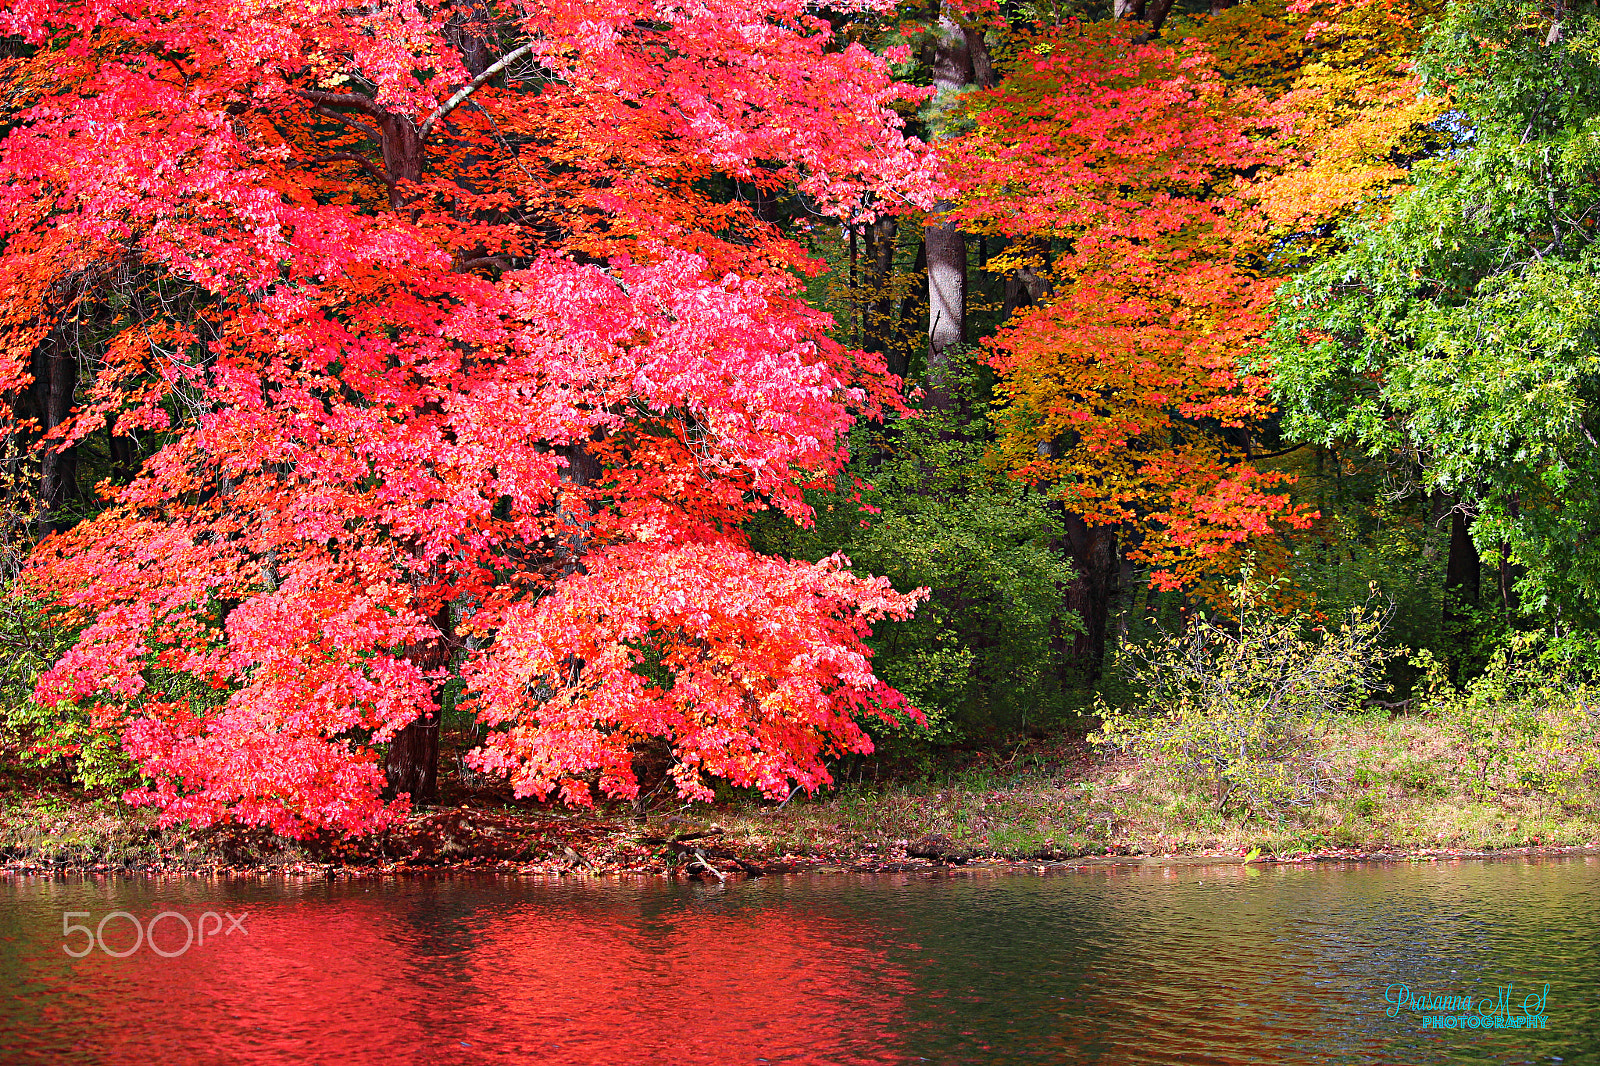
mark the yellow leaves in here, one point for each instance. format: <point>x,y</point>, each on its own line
<point>1255,44</point>
<point>1347,104</point>
<point>1350,151</point>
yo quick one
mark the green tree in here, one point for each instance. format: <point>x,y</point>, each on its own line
<point>986,656</point>
<point>1455,334</point>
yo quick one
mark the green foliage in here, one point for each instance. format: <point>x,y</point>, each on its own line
<point>978,659</point>
<point>1527,724</point>
<point>1247,705</point>
<point>1459,336</point>
<point>32,637</point>
<point>1373,529</point>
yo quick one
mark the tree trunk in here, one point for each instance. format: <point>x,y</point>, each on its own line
<point>1510,573</point>
<point>412,764</point>
<point>55,382</point>
<point>947,298</point>
<point>123,453</point>
<point>852,327</point>
<point>1026,286</point>
<point>402,156</point>
<point>983,72</point>
<point>1151,12</point>
<point>1127,594</point>
<point>1462,576</point>
<point>878,321</point>
<point>1093,551</point>
<point>471,30</point>
<point>911,308</point>
<point>943,242</point>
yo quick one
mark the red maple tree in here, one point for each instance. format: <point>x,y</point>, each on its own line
<point>460,374</point>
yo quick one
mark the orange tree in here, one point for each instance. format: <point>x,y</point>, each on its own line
<point>1351,124</point>
<point>1119,162</point>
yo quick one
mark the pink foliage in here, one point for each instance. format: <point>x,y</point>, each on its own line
<point>534,390</point>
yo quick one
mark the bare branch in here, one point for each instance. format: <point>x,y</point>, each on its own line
<point>471,87</point>
<point>499,261</point>
<point>360,127</point>
<point>366,164</point>
<point>356,101</point>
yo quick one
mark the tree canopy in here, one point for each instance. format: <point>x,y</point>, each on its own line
<point>456,372</point>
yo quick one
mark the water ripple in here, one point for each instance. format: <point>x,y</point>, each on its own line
<point>1153,965</point>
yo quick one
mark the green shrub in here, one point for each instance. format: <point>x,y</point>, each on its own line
<point>61,738</point>
<point>980,657</point>
<point>1245,706</point>
<point>1527,724</point>
<point>1416,775</point>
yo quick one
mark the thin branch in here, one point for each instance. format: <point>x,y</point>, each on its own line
<point>1264,455</point>
<point>360,127</point>
<point>471,87</point>
<point>352,157</point>
<point>357,101</point>
<point>700,860</point>
<point>499,261</point>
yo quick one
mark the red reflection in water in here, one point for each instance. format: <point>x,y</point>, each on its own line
<point>699,987</point>
<point>451,972</point>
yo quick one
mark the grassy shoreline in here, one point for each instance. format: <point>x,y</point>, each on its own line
<point>1399,790</point>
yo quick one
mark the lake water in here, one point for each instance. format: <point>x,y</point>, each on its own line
<point>1122,965</point>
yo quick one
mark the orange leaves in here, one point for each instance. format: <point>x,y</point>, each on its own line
<point>1122,391</point>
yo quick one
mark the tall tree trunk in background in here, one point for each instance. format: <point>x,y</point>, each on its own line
<point>47,402</point>
<point>951,61</point>
<point>1026,286</point>
<point>1557,25</point>
<point>55,382</point>
<point>1151,12</point>
<point>947,304</point>
<point>1462,589</point>
<point>852,326</point>
<point>1510,572</point>
<point>1128,593</point>
<point>1093,551</point>
<point>912,305</point>
<point>878,319</point>
<point>983,72</point>
<point>471,30</point>
<point>123,452</point>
